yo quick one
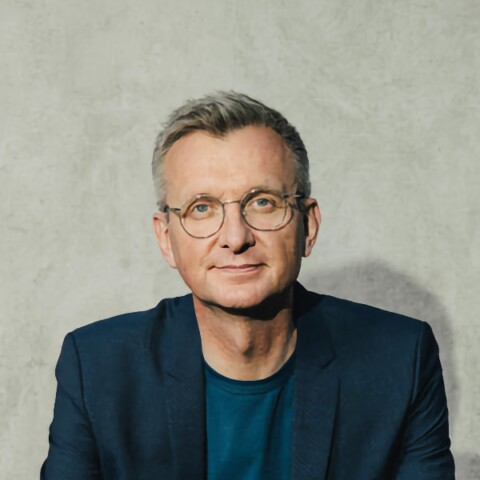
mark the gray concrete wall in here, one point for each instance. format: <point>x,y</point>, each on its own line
<point>385,93</point>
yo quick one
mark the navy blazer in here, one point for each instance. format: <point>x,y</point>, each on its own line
<point>369,399</point>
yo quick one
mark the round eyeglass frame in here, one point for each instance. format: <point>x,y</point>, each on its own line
<point>243,202</point>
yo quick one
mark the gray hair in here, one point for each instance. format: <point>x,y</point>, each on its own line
<point>219,114</point>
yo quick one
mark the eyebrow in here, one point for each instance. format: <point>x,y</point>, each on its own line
<point>255,187</point>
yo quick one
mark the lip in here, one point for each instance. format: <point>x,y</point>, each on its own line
<point>245,268</point>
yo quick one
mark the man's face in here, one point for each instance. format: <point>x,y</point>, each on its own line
<point>238,267</point>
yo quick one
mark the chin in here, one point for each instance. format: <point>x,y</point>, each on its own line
<point>244,298</point>
<point>237,298</point>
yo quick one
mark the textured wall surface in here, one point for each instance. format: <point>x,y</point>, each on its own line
<point>385,93</point>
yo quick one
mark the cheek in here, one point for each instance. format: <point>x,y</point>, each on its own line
<point>188,254</point>
<point>180,251</point>
<point>300,237</point>
<point>289,251</point>
<point>297,240</point>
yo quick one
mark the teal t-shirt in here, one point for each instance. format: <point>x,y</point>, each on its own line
<point>249,426</point>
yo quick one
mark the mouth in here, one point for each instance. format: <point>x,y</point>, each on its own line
<point>238,269</point>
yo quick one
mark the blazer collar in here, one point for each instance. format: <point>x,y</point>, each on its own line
<point>315,391</point>
<point>185,391</point>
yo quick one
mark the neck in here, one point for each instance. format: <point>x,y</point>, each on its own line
<point>246,345</point>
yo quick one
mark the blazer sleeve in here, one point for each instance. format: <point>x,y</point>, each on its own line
<point>425,453</point>
<point>72,453</point>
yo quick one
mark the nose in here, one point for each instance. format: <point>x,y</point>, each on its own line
<point>235,234</point>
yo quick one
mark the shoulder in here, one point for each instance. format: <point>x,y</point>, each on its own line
<point>134,329</point>
<point>341,314</point>
<point>110,354</point>
<point>390,352</point>
<point>363,329</point>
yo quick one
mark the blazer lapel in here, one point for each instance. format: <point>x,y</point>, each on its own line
<point>185,396</point>
<point>315,391</point>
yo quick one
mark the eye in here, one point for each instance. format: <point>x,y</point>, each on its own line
<point>263,202</point>
<point>201,208</point>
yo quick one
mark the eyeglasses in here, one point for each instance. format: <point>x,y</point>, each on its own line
<point>266,210</point>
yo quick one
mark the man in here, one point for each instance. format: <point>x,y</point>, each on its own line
<point>250,376</point>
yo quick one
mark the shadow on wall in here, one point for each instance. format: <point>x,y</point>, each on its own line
<point>377,284</point>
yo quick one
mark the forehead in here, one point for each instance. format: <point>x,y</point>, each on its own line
<point>228,166</point>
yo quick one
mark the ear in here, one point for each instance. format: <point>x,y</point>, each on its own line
<point>162,233</point>
<point>312,220</point>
